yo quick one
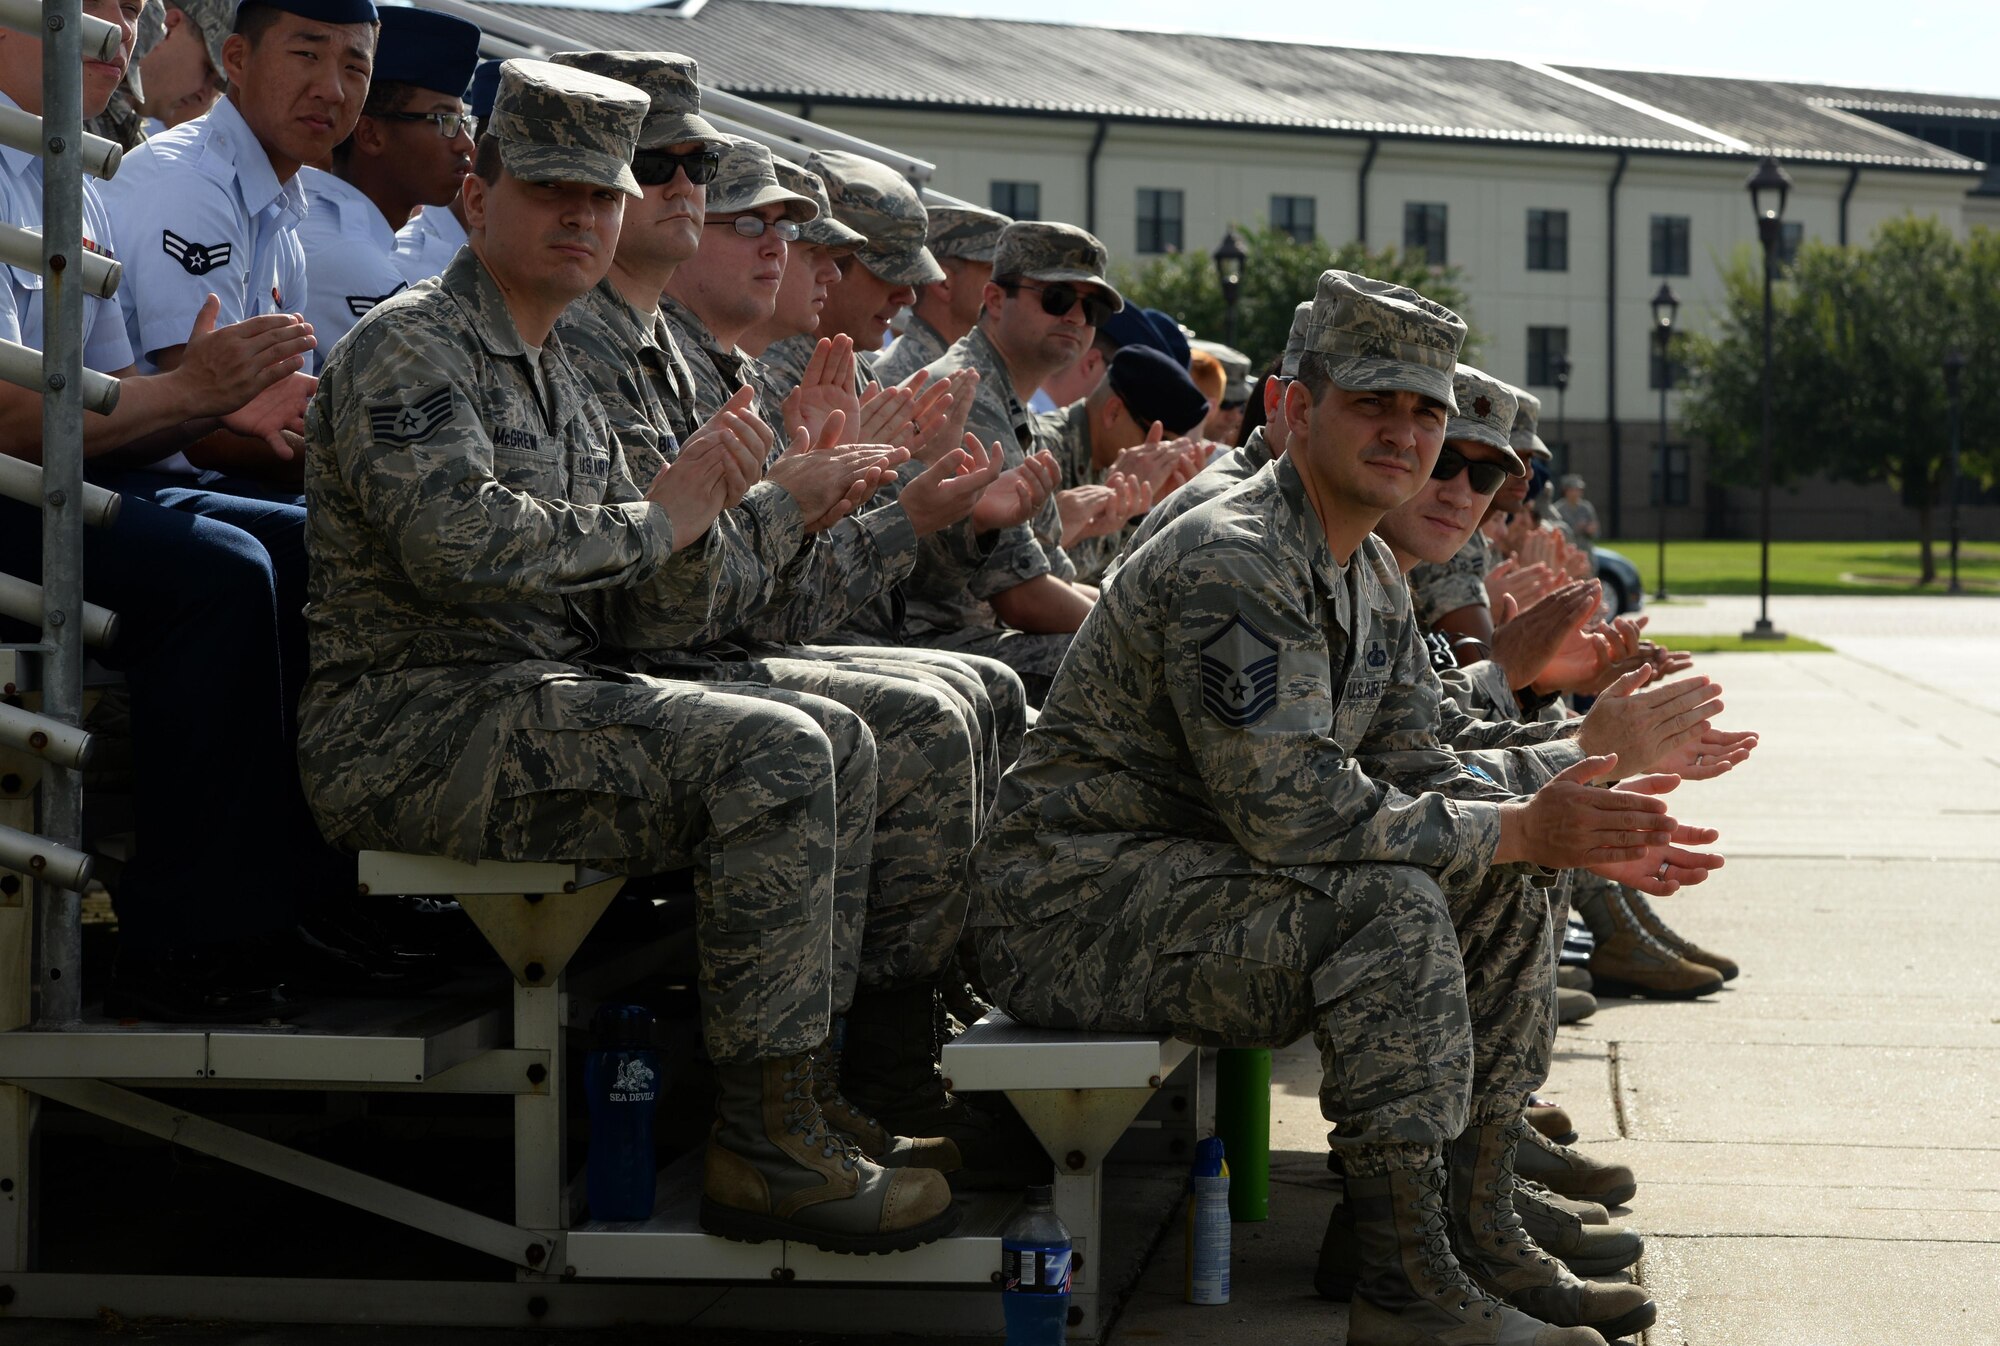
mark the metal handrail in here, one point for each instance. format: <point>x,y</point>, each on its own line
<point>22,481</point>
<point>23,601</point>
<point>63,744</point>
<point>26,367</point>
<point>100,41</point>
<point>23,248</point>
<point>23,131</point>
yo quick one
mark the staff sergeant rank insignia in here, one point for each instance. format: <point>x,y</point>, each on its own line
<point>197,259</point>
<point>399,426</point>
<point>1239,674</point>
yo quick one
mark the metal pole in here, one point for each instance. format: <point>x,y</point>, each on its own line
<point>59,913</point>
<point>1666,380</point>
<point>1767,232</point>
<point>1954,588</point>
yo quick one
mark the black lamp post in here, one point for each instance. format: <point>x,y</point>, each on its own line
<point>1954,366</point>
<point>1561,372</point>
<point>1229,258</point>
<point>1666,307</point>
<point>1768,187</point>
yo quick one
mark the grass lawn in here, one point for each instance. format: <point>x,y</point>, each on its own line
<point>1738,645</point>
<point>1885,568</point>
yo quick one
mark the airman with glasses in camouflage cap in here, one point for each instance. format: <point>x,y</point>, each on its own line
<point>962,239</point>
<point>811,269</point>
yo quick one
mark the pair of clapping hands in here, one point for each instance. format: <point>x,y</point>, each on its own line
<point>1140,477</point>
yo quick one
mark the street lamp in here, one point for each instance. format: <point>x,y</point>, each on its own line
<point>1666,307</point>
<point>1954,366</point>
<point>1562,411</point>
<point>1768,187</point>
<point>1229,258</point>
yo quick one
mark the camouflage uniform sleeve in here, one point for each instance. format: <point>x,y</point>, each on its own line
<point>1401,743</point>
<point>1481,689</point>
<point>734,570</point>
<point>617,384</point>
<point>412,445</point>
<point>1274,768</point>
<point>1457,583</point>
<point>847,566</point>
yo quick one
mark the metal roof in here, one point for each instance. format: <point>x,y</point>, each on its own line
<point>776,49</point>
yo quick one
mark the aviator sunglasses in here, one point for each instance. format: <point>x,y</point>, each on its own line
<point>1485,477</point>
<point>1060,298</point>
<point>655,168</point>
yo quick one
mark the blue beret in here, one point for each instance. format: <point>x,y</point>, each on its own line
<point>426,48</point>
<point>479,97</point>
<point>1171,339</point>
<point>1154,388</point>
<point>319,11</point>
<point>1128,327</point>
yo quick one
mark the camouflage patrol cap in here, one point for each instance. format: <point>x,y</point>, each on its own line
<point>1485,414</point>
<point>666,77</point>
<point>823,229</point>
<point>1235,367</point>
<point>1379,336</point>
<point>1571,482</point>
<point>555,124</point>
<point>214,20</point>
<point>152,27</point>
<point>1295,340</point>
<point>1045,251</point>
<point>965,231</point>
<point>879,204</point>
<point>1528,415</point>
<point>749,180</point>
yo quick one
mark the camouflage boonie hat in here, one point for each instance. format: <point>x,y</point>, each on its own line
<point>749,179</point>
<point>666,77</point>
<point>1485,414</point>
<point>555,124</point>
<point>1379,336</point>
<point>1044,251</point>
<point>214,20</point>
<point>1527,415</point>
<point>1295,340</point>
<point>879,204</point>
<point>823,229</point>
<point>965,232</point>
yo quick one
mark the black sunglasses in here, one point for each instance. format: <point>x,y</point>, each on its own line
<point>1061,297</point>
<point>656,168</point>
<point>1485,477</point>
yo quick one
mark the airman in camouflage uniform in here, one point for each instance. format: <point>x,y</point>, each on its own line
<point>120,121</point>
<point>480,557</point>
<point>967,236</point>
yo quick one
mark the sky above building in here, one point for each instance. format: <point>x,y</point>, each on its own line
<point>1936,46</point>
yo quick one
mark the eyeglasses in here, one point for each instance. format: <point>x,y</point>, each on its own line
<point>753,226</point>
<point>1484,476</point>
<point>656,168</point>
<point>448,124</point>
<point>1061,297</point>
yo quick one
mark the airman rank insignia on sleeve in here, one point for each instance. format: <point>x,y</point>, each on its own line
<point>1239,674</point>
<point>399,425</point>
<point>359,304</point>
<point>197,259</point>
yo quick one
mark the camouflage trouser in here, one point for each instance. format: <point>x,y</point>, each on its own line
<point>1217,950</point>
<point>643,776</point>
<point>1034,655</point>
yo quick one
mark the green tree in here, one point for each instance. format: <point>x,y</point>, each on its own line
<point>1279,273</point>
<point>1858,342</point>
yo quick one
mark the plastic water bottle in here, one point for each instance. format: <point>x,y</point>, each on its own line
<point>1208,1225</point>
<point>622,1077</point>
<point>1034,1274</point>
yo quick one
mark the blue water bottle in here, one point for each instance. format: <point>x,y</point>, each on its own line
<point>622,1077</point>
<point>1034,1274</point>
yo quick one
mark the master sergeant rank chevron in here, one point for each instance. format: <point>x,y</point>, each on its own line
<point>398,426</point>
<point>1239,674</point>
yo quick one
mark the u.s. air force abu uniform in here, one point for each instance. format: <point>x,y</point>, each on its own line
<point>482,559</point>
<point>1234,821</point>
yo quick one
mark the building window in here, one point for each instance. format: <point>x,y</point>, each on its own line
<point>1670,245</point>
<point>1423,230</point>
<point>1677,474</point>
<point>1018,200</point>
<point>1294,215</point>
<point>1791,233</point>
<point>1160,215</point>
<point>1548,240</point>
<point>1546,346</point>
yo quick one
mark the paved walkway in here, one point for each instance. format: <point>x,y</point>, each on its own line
<point>1818,1147</point>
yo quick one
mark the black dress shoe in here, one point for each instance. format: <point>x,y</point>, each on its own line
<point>335,951</point>
<point>202,984</point>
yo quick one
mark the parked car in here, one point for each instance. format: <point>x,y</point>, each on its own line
<point>1623,589</point>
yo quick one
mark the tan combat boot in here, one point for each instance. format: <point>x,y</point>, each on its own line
<point>1587,1211</point>
<point>1573,1006</point>
<point>1681,945</point>
<point>1628,960</point>
<point>1563,1170</point>
<point>864,1132</point>
<point>1551,1119</point>
<point>1496,1251</point>
<point>775,1170</point>
<point>1586,1249</point>
<point>1573,977</point>
<point>1411,1291</point>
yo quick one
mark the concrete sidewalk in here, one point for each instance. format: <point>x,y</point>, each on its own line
<point>1818,1147</point>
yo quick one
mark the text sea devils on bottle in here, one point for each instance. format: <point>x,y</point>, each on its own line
<point>622,1079</point>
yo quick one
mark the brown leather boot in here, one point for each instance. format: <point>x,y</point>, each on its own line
<point>1628,960</point>
<point>1587,1211</point>
<point>1586,1249</point>
<point>1503,1260</point>
<point>775,1170</point>
<point>1680,944</point>
<point>864,1132</point>
<point>1411,1291</point>
<point>1572,1174</point>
